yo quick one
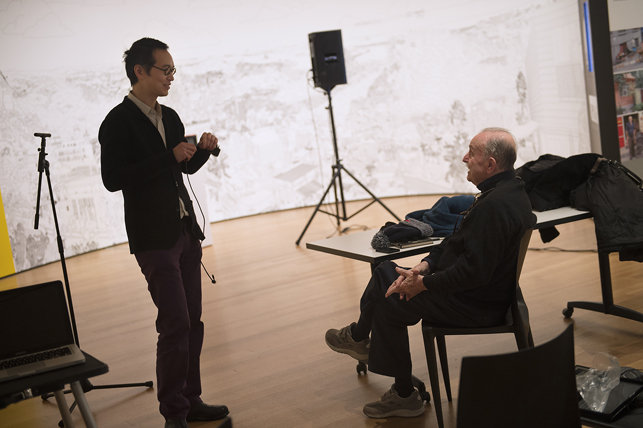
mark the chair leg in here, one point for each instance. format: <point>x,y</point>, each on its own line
<point>520,341</point>
<point>444,363</point>
<point>530,339</point>
<point>524,339</point>
<point>429,349</point>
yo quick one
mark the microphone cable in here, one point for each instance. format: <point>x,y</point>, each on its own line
<point>210,277</point>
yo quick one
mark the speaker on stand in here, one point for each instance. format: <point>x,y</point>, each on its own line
<point>327,56</point>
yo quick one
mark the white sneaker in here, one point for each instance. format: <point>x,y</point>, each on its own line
<point>342,341</point>
<point>392,404</point>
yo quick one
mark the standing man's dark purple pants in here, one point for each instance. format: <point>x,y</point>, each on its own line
<point>174,281</point>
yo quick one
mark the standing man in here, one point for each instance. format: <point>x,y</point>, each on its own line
<point>469,280</point>
<point>143,154</point>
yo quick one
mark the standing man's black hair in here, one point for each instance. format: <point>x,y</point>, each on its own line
<point>141,52</point>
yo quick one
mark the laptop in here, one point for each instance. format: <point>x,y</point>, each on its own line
<point>35,331</point>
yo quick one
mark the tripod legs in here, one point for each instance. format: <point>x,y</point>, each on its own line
<point>375,198</point>
<point>337,176</point>
<point>332,183</point>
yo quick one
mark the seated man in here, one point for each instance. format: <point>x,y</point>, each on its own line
<point>468,280</point>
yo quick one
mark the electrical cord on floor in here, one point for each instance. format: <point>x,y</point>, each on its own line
<point>557,249</point>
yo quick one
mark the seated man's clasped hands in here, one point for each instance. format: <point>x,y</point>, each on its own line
<point>469,280</point>
<point>409,283</point>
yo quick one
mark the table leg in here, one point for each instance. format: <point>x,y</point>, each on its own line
<point>63,408</point>
<point>79,395</point>
<point>607,306</point>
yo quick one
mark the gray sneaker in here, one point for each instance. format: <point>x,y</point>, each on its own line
<point>392,404</point>
<point>341,341</point>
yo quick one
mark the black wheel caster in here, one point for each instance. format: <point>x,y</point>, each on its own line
<point>567,312</point>
<point>361,368</point>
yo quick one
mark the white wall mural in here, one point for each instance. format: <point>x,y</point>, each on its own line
<point>423,77</point>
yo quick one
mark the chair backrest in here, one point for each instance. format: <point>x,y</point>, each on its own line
<point>533,388</point>
<point>524,245</point>
<point>519,311</point>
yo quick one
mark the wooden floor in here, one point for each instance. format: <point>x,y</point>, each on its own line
<point>264,354</point>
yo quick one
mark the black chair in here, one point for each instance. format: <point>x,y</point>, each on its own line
<point>533,388</point>
<point>516,322</point>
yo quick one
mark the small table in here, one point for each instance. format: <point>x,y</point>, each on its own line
<point>54,381</point>
<point>357,246</point>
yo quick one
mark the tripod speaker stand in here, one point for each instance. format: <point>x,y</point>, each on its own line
<point>336,184</point>
<point>43,166</point>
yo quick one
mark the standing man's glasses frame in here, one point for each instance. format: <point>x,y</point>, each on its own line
<point>169,71</point>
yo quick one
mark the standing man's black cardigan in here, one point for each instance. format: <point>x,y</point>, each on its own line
<point>135,160</point>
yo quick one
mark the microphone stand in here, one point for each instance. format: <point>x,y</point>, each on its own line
<point>43,166</point>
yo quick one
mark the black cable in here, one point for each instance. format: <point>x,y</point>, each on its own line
<point>562,250</point>
<point>210,277</point>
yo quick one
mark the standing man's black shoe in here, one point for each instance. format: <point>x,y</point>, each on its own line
<point>176,423</point>
<point>206,412</point>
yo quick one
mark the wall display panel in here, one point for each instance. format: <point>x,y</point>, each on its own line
<point>627,58</point>
<point>423,77</point>
<point>613,51</point>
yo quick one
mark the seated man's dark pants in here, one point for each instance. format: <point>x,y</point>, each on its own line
<point>174,282</point>
<point>387,320</point>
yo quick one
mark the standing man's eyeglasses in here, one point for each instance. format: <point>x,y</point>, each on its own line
<point>169,71</point>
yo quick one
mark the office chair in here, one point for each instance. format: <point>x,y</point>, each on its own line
<point>516,322</point>
<point>532,388</point>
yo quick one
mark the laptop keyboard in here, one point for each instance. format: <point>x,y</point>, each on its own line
<point>34,358</point>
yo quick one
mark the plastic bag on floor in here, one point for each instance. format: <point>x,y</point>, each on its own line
<point>596,383</point>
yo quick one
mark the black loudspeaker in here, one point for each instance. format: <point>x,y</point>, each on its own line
<point>327,55</point>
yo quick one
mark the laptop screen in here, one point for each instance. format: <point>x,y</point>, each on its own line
<point>33,319</point>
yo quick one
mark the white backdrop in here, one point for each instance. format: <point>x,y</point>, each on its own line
<point>423,77</point>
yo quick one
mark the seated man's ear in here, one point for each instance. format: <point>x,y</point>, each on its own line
<point>491,164</point>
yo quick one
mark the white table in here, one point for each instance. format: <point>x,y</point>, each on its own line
<point>559,216</point>
<point>357,246</point>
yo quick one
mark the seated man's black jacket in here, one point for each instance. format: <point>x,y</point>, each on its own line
<point>477,264</point>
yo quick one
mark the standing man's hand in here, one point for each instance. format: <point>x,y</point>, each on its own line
<point>184,151</point>
<point>208,141</point>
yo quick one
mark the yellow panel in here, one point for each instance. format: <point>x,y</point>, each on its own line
<point>6,257</point>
